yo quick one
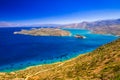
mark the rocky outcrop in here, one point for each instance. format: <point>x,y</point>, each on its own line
<point>44,32</point>
<point>79,36</point>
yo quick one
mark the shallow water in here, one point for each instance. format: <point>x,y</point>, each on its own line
<point>20,51</point>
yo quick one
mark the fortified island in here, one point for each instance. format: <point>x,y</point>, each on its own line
<point>48,32</point>
<point>44,32</point>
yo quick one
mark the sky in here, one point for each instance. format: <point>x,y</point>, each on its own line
<point>57,11</point>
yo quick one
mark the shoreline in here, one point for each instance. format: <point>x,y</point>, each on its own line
<point>106,34</point>
<point>87,62</point>
<point>52,63</point>
<point>56,62</point>
<point>40,65</point>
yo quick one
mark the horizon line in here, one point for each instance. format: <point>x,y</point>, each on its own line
<point>13,24</point>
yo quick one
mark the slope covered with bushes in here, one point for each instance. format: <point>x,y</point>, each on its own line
<point>101,64</point>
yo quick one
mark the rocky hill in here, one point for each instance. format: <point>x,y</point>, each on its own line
<point>102,27</point>
<point>101,64</point>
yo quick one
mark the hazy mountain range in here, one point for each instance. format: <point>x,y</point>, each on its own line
<point>80,25</point>
<point>102,26</point>
<point>8,24</point>
<point>100,23</point>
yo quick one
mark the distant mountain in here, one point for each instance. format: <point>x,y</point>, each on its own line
<point>102,27</point>
<point>100,23</point>
<point>8,24</point>
<point>44,25</point>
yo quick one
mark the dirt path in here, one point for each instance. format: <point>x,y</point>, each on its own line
<point>43,71</point>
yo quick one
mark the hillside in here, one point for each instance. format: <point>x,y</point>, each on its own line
<point>101,64</point>
<point>101,27</point>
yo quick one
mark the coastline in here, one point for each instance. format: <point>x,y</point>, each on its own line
<point>106,34</point>
<point>47,64</point>
<point>41,65</point>
<point>55,62</point>
<point>58,62</point>
<point>83,63</point>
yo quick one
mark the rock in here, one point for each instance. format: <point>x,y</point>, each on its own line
<point>79,36</point>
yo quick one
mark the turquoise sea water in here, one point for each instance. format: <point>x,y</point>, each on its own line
<point>21,51</point>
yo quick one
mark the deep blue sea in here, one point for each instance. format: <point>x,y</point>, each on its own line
<point>21,51</point>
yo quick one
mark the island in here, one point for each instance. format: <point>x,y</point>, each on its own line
<point>44,32</point>
<point>79,36</point>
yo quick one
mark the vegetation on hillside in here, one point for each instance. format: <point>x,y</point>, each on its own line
<point>101,64</point>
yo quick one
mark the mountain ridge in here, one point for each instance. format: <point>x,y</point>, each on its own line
<point>100,27</point>
<point>111,26</point>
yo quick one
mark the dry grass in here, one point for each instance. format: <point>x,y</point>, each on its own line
<point>101,64</point>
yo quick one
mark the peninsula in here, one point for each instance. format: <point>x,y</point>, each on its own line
<point>44,32</point>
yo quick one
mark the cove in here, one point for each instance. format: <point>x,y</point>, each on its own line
<point>21,51</point>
